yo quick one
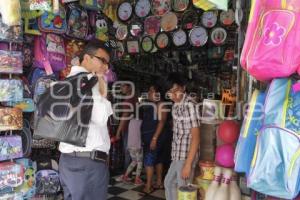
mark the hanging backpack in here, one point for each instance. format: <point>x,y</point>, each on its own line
<point>272,46</point>
<point>11,90</point>
<point>53,22</point>
<point>250,128</point>
<point>47,177</point>
<point>10,33</point>
<point>11,176</point>
<point>30,18</point>
<point>94,5</point>
<point>275,168</point>
<point>28,188</point>
<point>73,49</point>
<point>77,21</point>
<point>10,147</point>
<point>102,26</point>
<point>49,52</point>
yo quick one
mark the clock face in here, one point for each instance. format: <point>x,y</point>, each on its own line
<point>142,8</point>
<point>121,32</point>
<point>209,19</point>
<point>227,17</point>
<point>180,5</point>
<point>147,44</point>
<point>160,7</point>
<point>198,36</point>
<point>169,21</point>
<point>218,36</point>
<point>152,25</point>
<point>124,11</point>
<point>179,38</point>
<point>162,40</point>
<point>136,29</point>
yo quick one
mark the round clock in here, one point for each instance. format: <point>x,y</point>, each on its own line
<point>136,29</point>
<point>209,19</point>
<point>142,8</point>
<point>198,36</point>
<point>162,40</point>
<point>218,36</point>
<point>189,19</point>
<point>179,38</point>
<point>169,21</point>
<point>227,17</point>
<point>180,5</point>
<point>147,44</point>
<point>124,11</point>
<point>160,7</point>
<point>122,32</point>
<point>152,25</point>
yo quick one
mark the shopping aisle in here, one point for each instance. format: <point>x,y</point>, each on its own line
<point>128,191</point>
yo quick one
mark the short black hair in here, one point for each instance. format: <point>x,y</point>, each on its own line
<point>91,48</point>
<point>175,78</point>
<point>158,89</point>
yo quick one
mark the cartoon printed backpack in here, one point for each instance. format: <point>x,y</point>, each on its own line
<point>102,26</point>
<point>77,21</point>
<point>73,49</point>
<point>11,176</point>
<point>47,177</point>
<point>49,52</point>
<point>28,188</point>
<point>30,18</point>
<point>272,46</point>
<point>275,167</point>
<point>10,147</point>
<point>53,22</point>
<point>94,5</point>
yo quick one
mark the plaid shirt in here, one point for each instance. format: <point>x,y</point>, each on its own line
<point>185,117</point>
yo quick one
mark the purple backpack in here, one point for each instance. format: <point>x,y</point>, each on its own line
<point>49,52</point>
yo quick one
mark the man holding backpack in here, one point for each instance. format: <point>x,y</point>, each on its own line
<point>84,171</point>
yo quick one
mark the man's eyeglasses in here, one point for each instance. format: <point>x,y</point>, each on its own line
<point>105,62</point>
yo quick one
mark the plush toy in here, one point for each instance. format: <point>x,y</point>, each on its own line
<point>11,12</point>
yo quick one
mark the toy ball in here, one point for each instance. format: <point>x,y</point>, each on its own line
<point>225,155</point>
<point>229,131</point>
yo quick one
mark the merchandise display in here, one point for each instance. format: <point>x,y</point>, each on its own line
<point>241,75</point>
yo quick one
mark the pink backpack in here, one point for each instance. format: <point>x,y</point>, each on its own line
<point>272,44</point>
<point>49,49</point>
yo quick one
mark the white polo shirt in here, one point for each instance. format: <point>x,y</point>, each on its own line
<point>98,137</point>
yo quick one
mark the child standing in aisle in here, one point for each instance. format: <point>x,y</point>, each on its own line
<point>135,151</point>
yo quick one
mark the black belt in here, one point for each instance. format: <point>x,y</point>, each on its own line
<point>94,155</point>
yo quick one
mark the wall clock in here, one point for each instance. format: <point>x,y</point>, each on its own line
<point>162,40</point>
<point>124,11</point>
<point>147,44</point>
<point>218,36</point>
<point>160,7</point>
<point>142,8</point>
<point>179,38</point>
<point>198,36</point>
<point>209,19</point>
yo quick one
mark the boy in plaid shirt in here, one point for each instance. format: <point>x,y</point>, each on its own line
<point>186,136</point>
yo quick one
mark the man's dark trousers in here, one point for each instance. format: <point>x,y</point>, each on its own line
<point>83,178</point>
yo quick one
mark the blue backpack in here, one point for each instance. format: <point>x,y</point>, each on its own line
<point>251,125</point>
<point>275,168</point>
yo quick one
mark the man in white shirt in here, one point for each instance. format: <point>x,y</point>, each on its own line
<point>84,171</point>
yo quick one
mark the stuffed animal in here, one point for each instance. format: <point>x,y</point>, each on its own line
<point>10,12</point>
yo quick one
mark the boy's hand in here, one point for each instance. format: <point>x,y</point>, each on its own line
<point>186,171</point>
